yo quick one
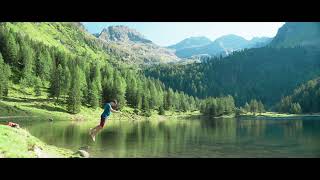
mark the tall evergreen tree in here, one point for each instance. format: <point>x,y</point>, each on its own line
<point>43,65</point>
<point>254,106</point>
<point>295,108</point>
<point>74,95</point>
<point>4,77</point>
<point>247,107</point>
<point>10,48</point>
<point>27,59</point>
<point>260,107</point>
<point>37,86</point>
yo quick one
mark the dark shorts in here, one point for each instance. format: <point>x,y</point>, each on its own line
<point>103,120</point>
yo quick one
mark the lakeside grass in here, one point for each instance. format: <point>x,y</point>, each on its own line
<point>23,102</point>
<point>278,115</point>
<point>19,143</point>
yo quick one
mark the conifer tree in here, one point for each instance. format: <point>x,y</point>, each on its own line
<point>74,95</point>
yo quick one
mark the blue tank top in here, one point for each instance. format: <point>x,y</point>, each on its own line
<point>106,111</point>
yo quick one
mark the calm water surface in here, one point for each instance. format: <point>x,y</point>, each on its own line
<point>187,137</point>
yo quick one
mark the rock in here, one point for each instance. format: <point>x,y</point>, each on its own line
<point>83,153</point>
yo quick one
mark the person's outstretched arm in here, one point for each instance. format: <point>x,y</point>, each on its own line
<point>112,110</point>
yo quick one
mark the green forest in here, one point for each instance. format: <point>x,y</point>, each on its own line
<point>304,99</point>
<point>266,74</point>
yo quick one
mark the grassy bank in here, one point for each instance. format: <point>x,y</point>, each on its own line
<point>23,102</point>
<point>19,143</point>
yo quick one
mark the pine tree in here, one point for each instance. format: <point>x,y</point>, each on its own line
<point>4,77</point>
<point>37,86</point>
<point>65,80</point>
<point>94,96</point>
<point>295,108</point>
<point>247,107</point>
<point>119,88</point>
<point>254,106</point>
<point>43,65</point>
<point>131,91</point>
<point>95,86</point>
<point>27,59</point>
<point>260,107</point>
<point>169,98</point>
<point>10,49</point>
<point>146,103</point>
<point>55,86</point>
<point>161,110</point>
<point>74,95</point>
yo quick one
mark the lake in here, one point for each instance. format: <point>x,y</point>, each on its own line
<point>190,137</point>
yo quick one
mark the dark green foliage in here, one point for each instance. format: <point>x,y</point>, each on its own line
<point>9,47</point>
<point>26,55</point>
<point>74,95</point>
<point>305,99</point>
<point>56,81</point>
<point>260,107</point>
<point>247,107</point>
<point>295,108</point>
<point>218,106</point>
<point>254,106</point>
<point>4,77</point>
<point>161,110</point>
<point>94,86</point>
<point>37,86</point>
<point>43,64</point>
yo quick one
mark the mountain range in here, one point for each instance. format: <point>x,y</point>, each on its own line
<point>202,46</point>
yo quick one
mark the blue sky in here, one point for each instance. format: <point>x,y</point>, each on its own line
<point>168,33</point>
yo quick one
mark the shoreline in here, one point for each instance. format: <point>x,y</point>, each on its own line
<point>274,115</point>
<point>19,143</point>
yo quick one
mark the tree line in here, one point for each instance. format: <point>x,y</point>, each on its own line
<point>254,106</point>
<point>218,106</point>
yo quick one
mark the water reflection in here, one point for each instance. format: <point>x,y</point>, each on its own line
<point>188,138</point>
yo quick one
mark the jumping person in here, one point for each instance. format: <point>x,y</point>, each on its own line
<point>108,108</point>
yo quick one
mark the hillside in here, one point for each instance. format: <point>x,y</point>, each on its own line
<point>265,73</point>
<point>131,46</point>
<point>76,71</point>
<point>297,34</point>
<point>69,37</point>
<point>304,99</point>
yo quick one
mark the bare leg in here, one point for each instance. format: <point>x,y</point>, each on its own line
<point>94,131</point>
